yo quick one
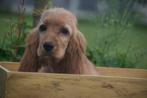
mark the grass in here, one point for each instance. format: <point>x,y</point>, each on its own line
<point>95,33</point>
<point>134,37</point>
<point>7,18</point>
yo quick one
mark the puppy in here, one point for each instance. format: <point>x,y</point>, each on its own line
<point>56,45</point>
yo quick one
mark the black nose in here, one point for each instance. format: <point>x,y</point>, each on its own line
<point>48,46</point>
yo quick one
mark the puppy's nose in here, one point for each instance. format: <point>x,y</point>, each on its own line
<point>48,46</point>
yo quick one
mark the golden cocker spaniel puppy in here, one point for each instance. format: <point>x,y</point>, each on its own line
<point>56,46</point>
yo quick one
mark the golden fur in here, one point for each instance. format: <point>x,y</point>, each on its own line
<point>68,56</point>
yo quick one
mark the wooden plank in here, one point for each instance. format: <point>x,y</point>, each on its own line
<point>122,72</point>
<point>3,79</point>
<point>12,66</point>
<point>43,85</point>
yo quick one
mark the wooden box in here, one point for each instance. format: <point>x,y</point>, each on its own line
<point>113,83</point>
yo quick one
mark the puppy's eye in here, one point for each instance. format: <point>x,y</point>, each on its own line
<point>64,31</point>
<point>43,28</point>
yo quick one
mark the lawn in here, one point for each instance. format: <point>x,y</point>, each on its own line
<point>132,41</point>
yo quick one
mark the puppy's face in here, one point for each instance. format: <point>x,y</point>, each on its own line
<point>55,31</point>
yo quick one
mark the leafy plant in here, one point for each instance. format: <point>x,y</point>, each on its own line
<point>12,43</point>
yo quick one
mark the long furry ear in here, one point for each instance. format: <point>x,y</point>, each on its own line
<point>74,52</point>
<point>77,43</point>
<point>29,62</point>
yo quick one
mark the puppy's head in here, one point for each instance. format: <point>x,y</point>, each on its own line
<point>56,29</point>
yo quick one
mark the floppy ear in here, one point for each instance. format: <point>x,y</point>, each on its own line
<point>29,62</point>
<point>74,53</point>
<point>77,44</point>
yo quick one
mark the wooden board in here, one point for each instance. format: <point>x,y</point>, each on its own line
<point>12,66</point>
<point>123,72</point>
<point>44,85</point>
<point>120,72</point>
<point>3,80</point>
<point>32,85</point>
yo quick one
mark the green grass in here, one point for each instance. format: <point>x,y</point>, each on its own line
<point>7,19</point>
<point>134,37</point>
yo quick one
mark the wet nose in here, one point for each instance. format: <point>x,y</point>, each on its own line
<point>48,46</point>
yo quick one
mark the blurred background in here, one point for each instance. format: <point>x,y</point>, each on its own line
<point>116,30</point>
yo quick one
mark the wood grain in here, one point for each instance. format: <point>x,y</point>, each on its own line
<point>123,72</point>
<point>12,66</point>
<point>113,83</point>
<point>37,85</point>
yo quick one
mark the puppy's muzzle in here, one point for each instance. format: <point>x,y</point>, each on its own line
<point>48,46</point>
